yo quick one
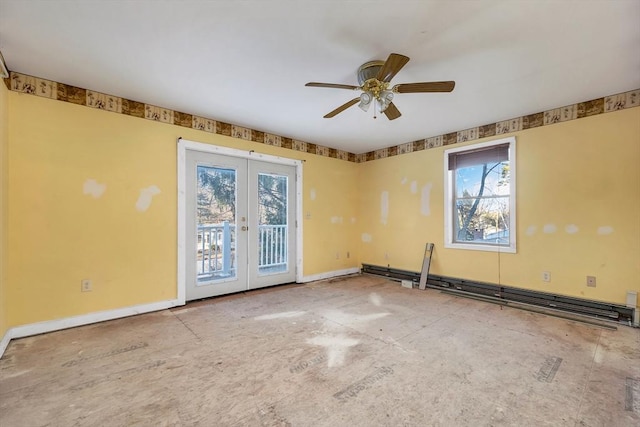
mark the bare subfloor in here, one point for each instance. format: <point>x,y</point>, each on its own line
<point>361,351</point>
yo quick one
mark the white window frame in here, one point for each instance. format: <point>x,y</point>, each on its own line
<point>449,199</point>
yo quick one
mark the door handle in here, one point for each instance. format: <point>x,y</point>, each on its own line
<point>244,228</point>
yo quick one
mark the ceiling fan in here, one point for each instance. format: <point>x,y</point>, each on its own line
<point>373,81</point>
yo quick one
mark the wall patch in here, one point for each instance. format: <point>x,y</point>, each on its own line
<point>571,229</point>
<point>384,207</point>
<point>605,230</point>
<point>414,187</point>
<point>425,205</point>
<point>366,237</point>
<point>312,194</point>
<point>549,228</point>
<point>531,230</point>
<point>144,199</point>
<point>92,188</point>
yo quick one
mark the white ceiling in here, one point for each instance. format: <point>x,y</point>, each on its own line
<point>246,62</point>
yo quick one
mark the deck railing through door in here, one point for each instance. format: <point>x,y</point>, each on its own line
<point>216,249</point>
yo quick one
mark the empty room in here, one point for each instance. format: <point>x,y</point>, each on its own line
<point>319,213</point>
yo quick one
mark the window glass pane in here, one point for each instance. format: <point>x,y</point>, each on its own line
<point>490,179</point>
<point>482,220</point>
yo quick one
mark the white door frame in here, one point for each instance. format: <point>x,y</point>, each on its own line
<point>183,146</point>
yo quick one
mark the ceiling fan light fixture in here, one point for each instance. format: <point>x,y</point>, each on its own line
<point>384,100</point>
<point>365,101</point>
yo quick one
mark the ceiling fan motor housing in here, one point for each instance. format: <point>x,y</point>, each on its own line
<point>368,71</point>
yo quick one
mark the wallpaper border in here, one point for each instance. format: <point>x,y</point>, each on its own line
<point>579,110</point>
<point>24,83</point>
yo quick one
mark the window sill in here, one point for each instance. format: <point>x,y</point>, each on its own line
<point>484,248</point>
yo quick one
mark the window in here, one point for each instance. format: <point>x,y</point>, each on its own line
<point>480,194</point>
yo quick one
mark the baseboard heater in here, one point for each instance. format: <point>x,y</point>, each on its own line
<point>594,309</point>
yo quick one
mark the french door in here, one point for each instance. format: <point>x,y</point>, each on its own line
<point>240,221</point>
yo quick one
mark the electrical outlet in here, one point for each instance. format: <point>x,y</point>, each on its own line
<point>546,276</point>
<point>86,286</point>
<point>591,281</point>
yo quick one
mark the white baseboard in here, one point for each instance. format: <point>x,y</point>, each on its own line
<point>101,316</point>
<point>84,319</point>
<point>330,274</point>
<point>5,342</point>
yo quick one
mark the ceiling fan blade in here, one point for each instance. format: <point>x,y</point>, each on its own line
<point>392,65</point>
<point>341,108</point>
<point>332,85</point>
<point>424,87</point>
<point>392,112</point>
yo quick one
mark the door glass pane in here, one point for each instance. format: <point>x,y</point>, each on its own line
<point>216,222</point>
<point>272,224</point>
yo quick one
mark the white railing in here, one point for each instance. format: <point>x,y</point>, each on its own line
<point>272,246</point>
<point>216,249</point>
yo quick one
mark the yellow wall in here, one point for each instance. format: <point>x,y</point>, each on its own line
<point>329,215</point>
<point>59,236</point>
<point>4,128</point>
<point>583,172</point>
